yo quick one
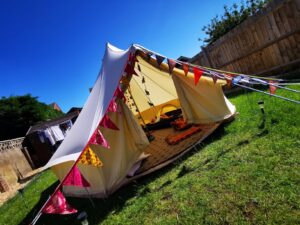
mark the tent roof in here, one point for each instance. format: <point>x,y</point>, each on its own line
<point>113,65</point>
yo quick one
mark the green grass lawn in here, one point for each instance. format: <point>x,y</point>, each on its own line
<point>247,172</point>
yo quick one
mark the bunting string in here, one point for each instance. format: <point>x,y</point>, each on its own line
<point>277,96</point>
<point>235,78</point>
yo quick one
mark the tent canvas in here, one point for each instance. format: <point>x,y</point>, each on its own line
<point>203,103</point>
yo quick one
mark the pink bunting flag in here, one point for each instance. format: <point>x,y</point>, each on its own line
<point>197,74</point>
<point>129,69</point>
<point>112,107</point>
<point>119,94</point>
<point>98,139</point>
<point>58,205</point>
<point>159,59</point>
<point>108,123</point>
<point>172,64</point>
<point>75,178</point>
<point>272,88</point>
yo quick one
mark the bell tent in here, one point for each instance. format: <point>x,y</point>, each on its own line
<point>124,130</point>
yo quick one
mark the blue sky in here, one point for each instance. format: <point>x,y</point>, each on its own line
<point>53,49</point>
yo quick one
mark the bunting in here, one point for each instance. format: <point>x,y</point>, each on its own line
<point>89,157</point>
<point>119,94</point>
<point>58,205</point>
<point>228,79</point>
<point>215,78</point>
<point>172,64</point>
<point>236,80</point>
<point>272,88</point>
<point>148,55</point>
<point>108,123</point>
<point>197,74</point>
<point>186,68</point>
<point>112,107</point>
<point>132,59</point>
<point>75,178</point>
<point>98,139</point>
<point>129,69</point>
<point>159,59</point>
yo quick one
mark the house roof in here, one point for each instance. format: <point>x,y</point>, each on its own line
<point>45,124</point>
<point>55,106</point>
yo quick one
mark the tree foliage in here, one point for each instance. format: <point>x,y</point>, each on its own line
<point>18,113</point>
<point>232,17</point>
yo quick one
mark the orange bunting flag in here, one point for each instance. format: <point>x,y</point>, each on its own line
<point>108,123</point>
<point>89,157</point>
<point>272,88</point>
<point>197,74</point>
<point>172,64</point>
<point>159,59</point>
<point>58,205</point>
<point>186,68</point>
<point>228,78</point>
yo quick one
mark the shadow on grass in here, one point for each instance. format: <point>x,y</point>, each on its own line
<point>116,202</point>
<point>45,194</point>
<point>213,161</point>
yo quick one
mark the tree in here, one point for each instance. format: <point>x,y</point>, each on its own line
<point>18,113</point>
<point>231,18</point>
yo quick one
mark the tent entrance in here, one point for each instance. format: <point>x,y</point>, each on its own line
<point>154,97</point>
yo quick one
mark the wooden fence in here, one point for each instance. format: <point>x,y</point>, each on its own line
<point>266,43</point>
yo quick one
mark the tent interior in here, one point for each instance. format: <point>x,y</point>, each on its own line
<point>163,117</point>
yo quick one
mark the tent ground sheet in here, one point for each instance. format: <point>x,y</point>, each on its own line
<point>162,153</point>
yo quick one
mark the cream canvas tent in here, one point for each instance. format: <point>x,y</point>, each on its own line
<point>129,151</point>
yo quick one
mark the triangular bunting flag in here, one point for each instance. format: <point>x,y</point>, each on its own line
<point>236,80</point>
<point>112,107</point>
<point>129,70</point>
<point>228,78</point>
<point>159,59</point>
<point>132,59</point>
<point>148,55</point>
<point>89,157</point>
<point>272,88</point>
<point>75,178</point>
<point>186,68</point>
<point>119,94</point>
<point>58,205</point>
<point>215,78</point>
<point>197,74</point>
<point>107,123</point>
<point>98,139</point>
<point>172,64</point>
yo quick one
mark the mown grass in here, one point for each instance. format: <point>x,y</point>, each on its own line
<point>247,172</point>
